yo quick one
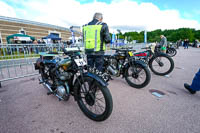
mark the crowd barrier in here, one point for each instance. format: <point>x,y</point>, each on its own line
<point>16,60</point>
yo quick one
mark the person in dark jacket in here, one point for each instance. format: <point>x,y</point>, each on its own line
<point>186,43</point>
<point>95,37</point>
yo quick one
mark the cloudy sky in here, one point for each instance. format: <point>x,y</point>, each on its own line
<point>127,15</point>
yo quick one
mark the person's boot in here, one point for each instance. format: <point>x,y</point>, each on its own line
<point>187,86</point>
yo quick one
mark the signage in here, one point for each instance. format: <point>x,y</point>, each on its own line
<point>22,38</point>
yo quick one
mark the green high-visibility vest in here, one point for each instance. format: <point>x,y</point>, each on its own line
<point>92,39</point>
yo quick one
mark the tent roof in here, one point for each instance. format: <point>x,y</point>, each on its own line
<point>51,36</point>
<point>18,35</point>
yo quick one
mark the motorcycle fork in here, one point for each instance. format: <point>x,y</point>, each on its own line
<point>84,86</point>
<point>70,83</point>
<point>135,70</point>
<point>158,60</point>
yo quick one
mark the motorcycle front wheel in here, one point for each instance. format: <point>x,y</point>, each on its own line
<point>137,76</point>
<point>95,100</point>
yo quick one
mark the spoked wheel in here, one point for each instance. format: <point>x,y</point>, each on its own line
<point>171,52</point>
<point>137,76</point>
<point>161,64</point>
<point>95,100</point>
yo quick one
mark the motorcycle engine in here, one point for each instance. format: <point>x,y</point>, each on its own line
<point>64,75</point>
<point>63,92</point>
<point>112,68</point>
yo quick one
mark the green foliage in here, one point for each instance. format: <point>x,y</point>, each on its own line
<point>153,36</point>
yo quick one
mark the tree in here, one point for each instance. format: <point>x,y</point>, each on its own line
<point>172,35</point>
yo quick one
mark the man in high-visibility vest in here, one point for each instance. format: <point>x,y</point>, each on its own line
<point>95,36</point>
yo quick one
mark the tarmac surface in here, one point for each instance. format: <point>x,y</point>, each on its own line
<point>25,107</point>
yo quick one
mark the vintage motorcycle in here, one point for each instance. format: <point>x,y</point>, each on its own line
<point>135,72</point>
<point>68,75</point>
<point>159,63</point>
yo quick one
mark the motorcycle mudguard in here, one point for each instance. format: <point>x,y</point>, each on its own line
<point>87,74</point>
<point>38,64</point>
<point>135,63</point>
<point>157,54</point>
<point>97,78</point>
<point>94,76</point>
<point>141,63</point>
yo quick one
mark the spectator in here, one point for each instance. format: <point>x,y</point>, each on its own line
<point>194,43</point>
<point>36,47</point>
<point>186,43</point>
<point>195,86</point>
<point>163,43</point>
<point>179,42</point>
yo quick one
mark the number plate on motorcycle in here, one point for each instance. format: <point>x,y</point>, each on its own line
<point>130,53</point>
<point>80,62</point>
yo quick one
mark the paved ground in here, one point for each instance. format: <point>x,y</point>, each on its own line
<point>25,107</point>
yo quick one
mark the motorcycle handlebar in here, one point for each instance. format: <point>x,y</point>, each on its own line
<point>71,52</point>
<point>124,49</point>
<point>146,48</point>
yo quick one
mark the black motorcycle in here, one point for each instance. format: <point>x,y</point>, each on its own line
<point>135,72</point>
<point>65,76</point>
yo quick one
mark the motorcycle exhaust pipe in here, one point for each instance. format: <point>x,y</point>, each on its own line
<point>112,70</point>
<point>47,86</point>
<point>59,97</point>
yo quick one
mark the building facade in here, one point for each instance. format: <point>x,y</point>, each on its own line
<point>9,26</point>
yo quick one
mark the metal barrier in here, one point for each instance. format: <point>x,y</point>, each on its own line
<point>16,60</point>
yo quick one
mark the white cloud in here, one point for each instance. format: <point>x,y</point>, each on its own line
<point>120,14</point>
<point>6,10</point>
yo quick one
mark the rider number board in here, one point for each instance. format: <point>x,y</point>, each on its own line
<point>80,62</point>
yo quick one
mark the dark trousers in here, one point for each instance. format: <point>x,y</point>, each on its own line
<point>196,82</point>
<point>96,61</point>
<point>186,46</point>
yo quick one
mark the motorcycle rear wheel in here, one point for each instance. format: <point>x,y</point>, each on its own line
<point>171,52</point>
